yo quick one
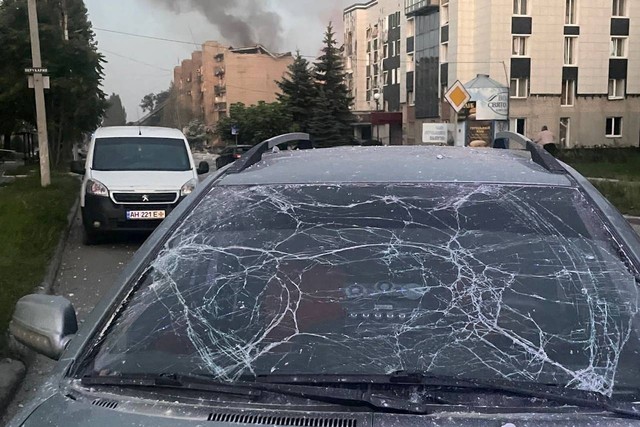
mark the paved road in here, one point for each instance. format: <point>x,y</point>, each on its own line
<point>86,273</point>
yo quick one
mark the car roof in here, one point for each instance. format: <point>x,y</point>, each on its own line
<point>396,164</point>
<point>138,131</point>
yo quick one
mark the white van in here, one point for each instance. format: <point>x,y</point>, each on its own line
<point>133,178</point>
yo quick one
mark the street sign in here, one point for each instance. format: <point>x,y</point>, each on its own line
<point>457,96</point>
<point>235,130</point>
<point>36,70</point>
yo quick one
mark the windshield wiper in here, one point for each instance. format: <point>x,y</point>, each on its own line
<point>330,394</point>
<point>554,393</point>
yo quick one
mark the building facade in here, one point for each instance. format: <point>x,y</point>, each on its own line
<point>572,65</point>
<point>219,76</point>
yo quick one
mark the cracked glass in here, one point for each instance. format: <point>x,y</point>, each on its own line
<point>479,281</point>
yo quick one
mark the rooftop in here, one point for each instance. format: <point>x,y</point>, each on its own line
<point>415,164</point>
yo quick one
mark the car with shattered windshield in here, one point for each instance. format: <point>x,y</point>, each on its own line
<point>361,286</point>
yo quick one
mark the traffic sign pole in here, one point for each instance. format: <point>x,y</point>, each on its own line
<point>38,81</point>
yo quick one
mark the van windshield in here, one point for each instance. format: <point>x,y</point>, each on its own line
<point>135,154</point>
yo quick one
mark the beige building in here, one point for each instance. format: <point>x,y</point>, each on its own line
<point>573,65</point>
<point>219,76</point>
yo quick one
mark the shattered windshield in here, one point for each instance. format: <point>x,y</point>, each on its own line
<point>478,281</point>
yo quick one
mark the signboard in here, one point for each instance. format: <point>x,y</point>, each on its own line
<point>235,130</point>
<point>492,103</point>
<point>438,133</point>
<point>457,96</point>
<point>36,70</point>
<point>479,131</point>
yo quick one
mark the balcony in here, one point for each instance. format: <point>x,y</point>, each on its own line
<point>219,57</point>
<point>220,90</point>
<point>220,106</point>
<point>219,71</point>
<point>420,7</point>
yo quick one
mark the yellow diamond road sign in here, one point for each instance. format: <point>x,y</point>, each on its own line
<point>457,96</point>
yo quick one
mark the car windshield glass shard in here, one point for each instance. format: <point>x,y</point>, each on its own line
<point>136,154</point>
<point>483,282</point>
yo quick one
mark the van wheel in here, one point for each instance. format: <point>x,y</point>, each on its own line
<point>90,237</point>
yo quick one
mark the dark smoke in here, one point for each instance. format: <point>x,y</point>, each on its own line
<point>240,22</point>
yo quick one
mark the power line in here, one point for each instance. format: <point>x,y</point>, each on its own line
<point>136,60</point>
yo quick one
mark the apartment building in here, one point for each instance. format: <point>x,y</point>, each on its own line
<point>218,76</point>
<point>377,64</point>
<point>572,65</point>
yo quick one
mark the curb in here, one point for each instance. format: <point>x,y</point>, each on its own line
<point>12,373</point>
<point>46,287</point>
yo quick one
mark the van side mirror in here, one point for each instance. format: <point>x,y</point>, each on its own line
<point>203,168</point>
<point>77,166</point>
<point>44,323</point>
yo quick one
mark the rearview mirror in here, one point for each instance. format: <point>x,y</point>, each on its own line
<point>203,168</point>
<point>44,323</point>
<point>77,166</point>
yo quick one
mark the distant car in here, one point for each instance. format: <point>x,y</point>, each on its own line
<point>231,154</point>
<point>133,178</point>
<point>360,287</point>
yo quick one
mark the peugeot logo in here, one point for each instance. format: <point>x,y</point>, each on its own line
<point>145,198</point>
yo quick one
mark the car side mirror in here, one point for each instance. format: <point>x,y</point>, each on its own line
<point>77,166</point>
<point>44,323</point>
<point>203,168</point>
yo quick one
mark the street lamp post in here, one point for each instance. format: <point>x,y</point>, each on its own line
<point>376,97</point>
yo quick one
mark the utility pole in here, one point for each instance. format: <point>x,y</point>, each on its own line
<point>38,83</point>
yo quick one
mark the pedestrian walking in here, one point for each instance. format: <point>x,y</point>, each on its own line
<point>547,139</point>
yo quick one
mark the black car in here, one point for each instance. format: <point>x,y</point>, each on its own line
<point>231,154</point>
<point>361,286</point>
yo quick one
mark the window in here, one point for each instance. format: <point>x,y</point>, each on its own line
<point>411,99</point>
<point>616,88</point>
<point>393,49</point>
<point>570,15</point>
<point>385,78</point>
<point>520,7</point>
<point>568,93</point>
<point>375,44</point>
<point>519,125</point>
<point>398,48</point>
<point>519,87</point>
<point>368,83</point>
<point>385,51</point>
<point>619,8</point>
<point>570,51</point>
<point>565,132</point>
<point>394,76</point>
<point>444,53</point>
<point>444,15</point>
<point>520,46</point>
<point>614,127</point>
<point>375,57</point>
<point>618,47</point>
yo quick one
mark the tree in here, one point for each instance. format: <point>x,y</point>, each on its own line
<point>115,114</point>
<point>299,93</point>
<point>152,101</point>
<point>75,102</point>
<point>196,134</point>
<point>255,124</point>
<point>334,100</point>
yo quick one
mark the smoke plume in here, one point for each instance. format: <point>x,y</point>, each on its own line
<point>240,22</point>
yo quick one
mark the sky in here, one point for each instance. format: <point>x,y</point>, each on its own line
<point>138,66</point>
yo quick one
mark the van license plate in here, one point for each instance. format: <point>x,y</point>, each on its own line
<point>144,215</point>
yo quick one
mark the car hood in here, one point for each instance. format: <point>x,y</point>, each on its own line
<point>143,180</point>
<point>61,410</point>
